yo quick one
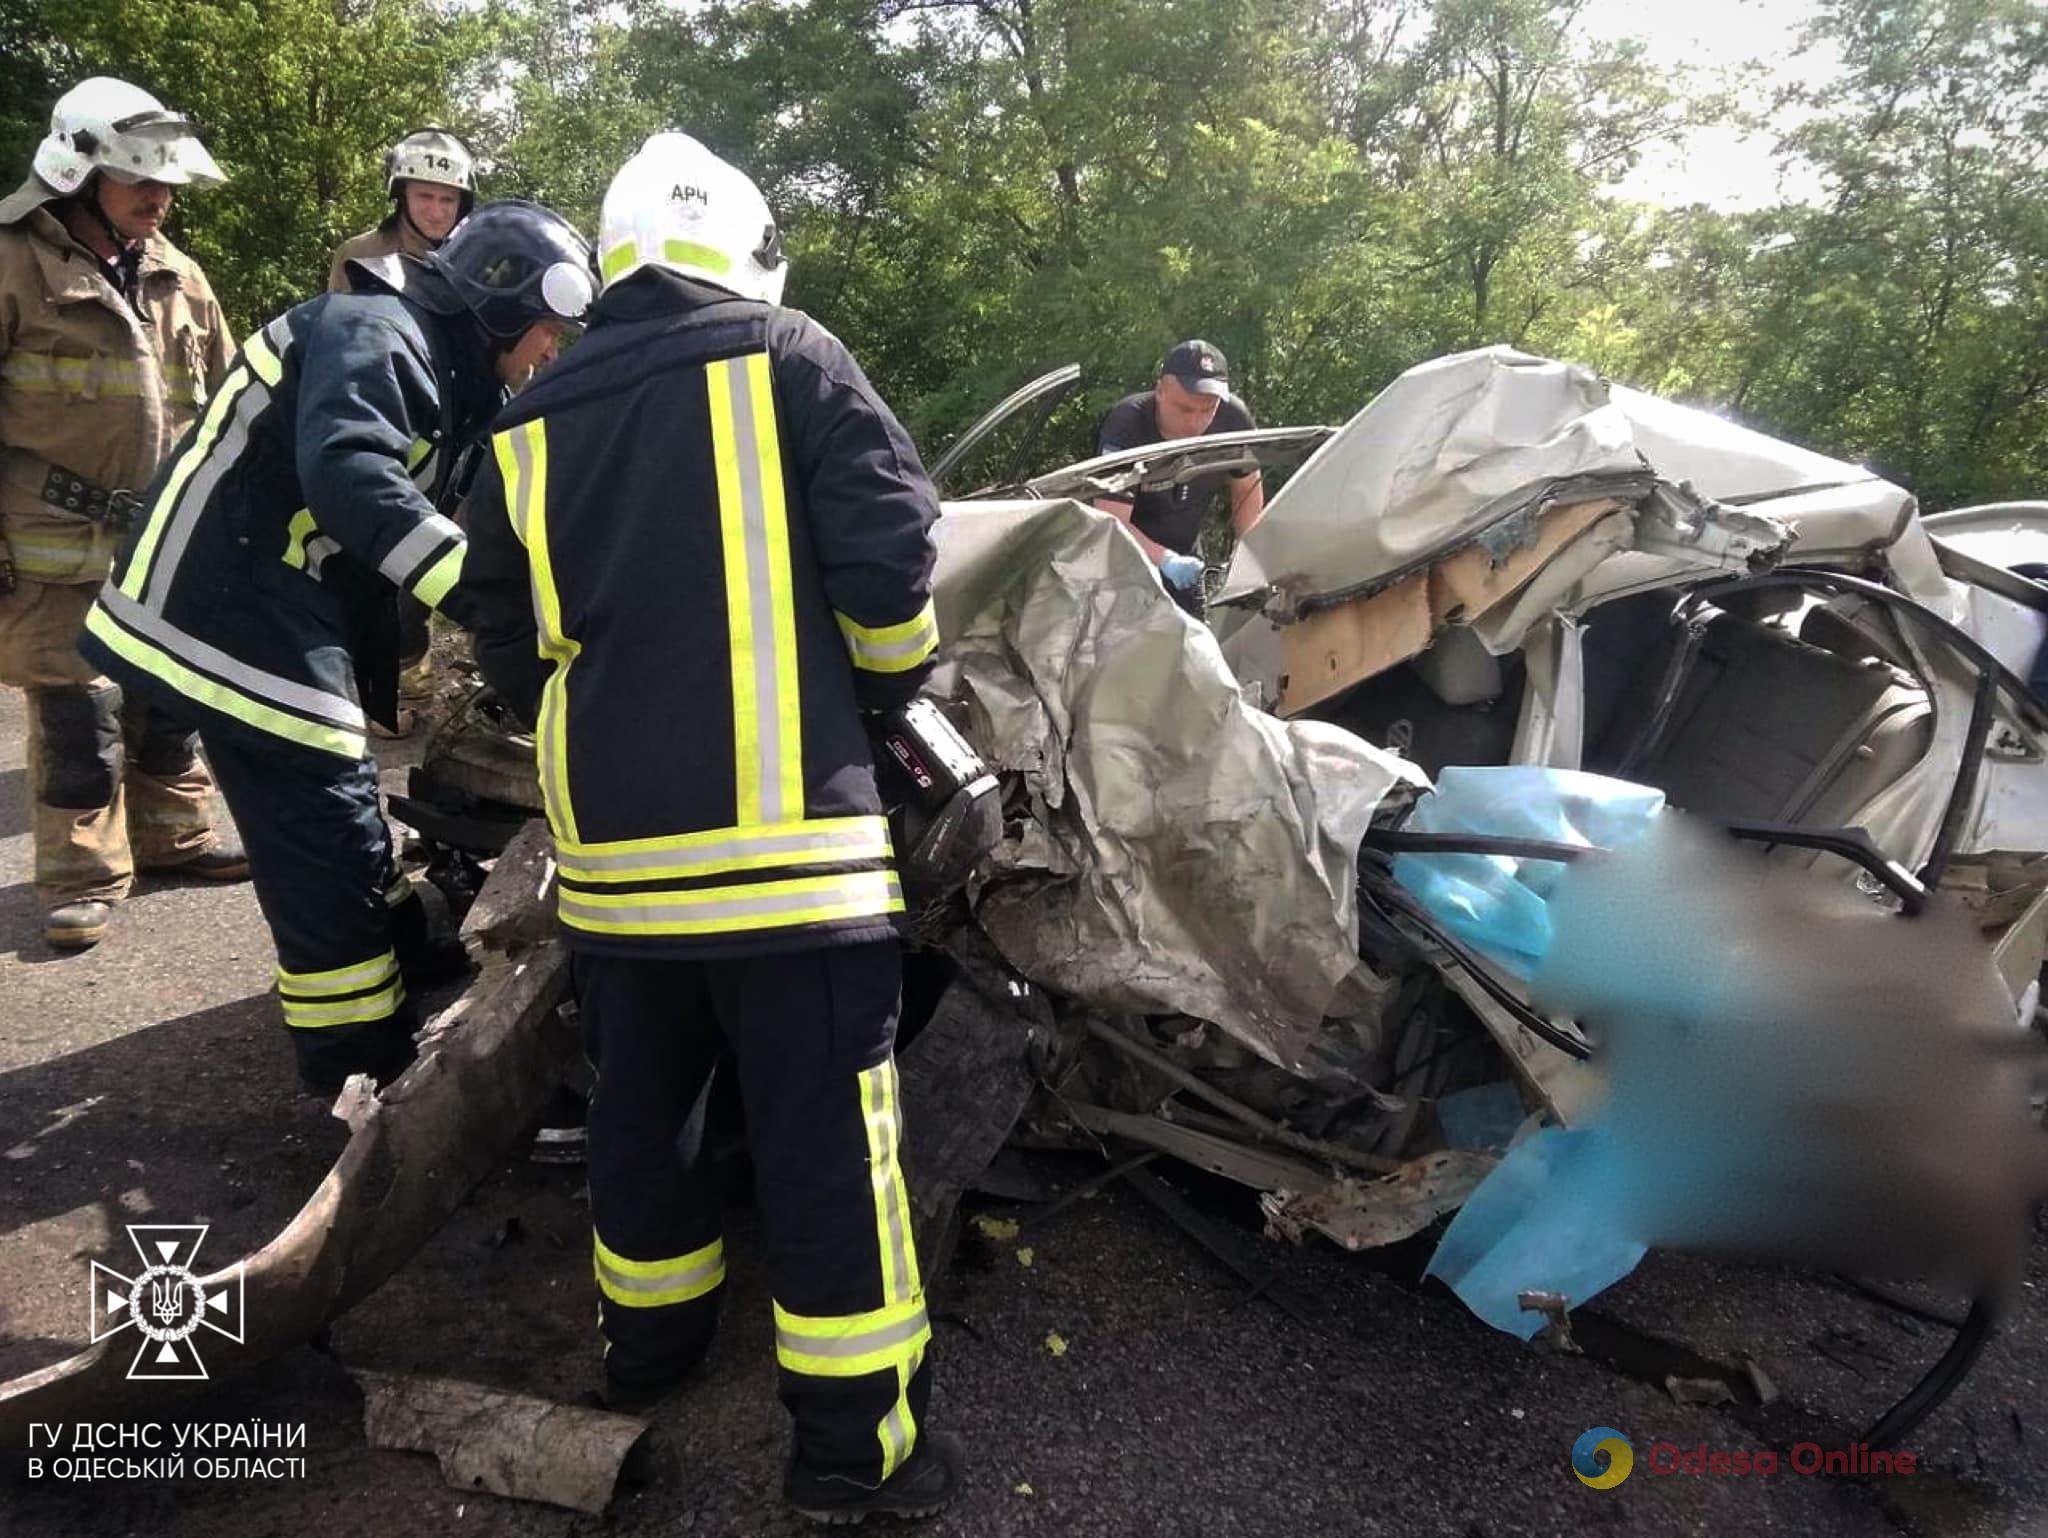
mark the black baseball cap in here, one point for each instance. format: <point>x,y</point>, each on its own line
<point>1200,366</point>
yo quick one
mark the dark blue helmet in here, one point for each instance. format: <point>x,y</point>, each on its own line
<point>512,263</point>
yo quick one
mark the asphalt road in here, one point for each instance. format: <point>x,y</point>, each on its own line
<point>1121,1382</point>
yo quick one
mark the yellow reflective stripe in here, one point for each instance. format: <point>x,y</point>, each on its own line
<point>891,648</point>
<point>230,702</point>
<point>689,252</point>
<point>657,1283</point>
<point>739,608</point>
<point>522,454</point>
<point>420,449</point>
<point>256,352</point>
<point>441,576</point>
<point>57,557</point>
<point>781,585</point>
<point>302,528</point>
<point>716,851</point>
<point>759,590</point>
<point>399,891</point>
<point>44,374</point>
<point>852,1345</point>
<point>693,254</point>
<point>898,1430</point>
<point>618,259</point>
<point>380,1005</point>
<point>355,976</point>
<point>734,909</point>
<point>878,1101</point>
<point>195,454</point>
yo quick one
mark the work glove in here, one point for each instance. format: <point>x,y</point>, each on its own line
<point>1181,571</point>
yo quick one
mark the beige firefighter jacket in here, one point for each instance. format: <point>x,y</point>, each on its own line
<point>86,384</point>
<point>394,237</point>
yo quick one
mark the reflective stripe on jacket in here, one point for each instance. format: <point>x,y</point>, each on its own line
<point>700,546</point>
<point>260,580</point>
<point>89,385</point>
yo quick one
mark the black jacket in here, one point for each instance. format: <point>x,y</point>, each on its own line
<point>261,581</point>
<point>700,549</point>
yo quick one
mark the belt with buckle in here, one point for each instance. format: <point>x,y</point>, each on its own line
<point>88,499</point>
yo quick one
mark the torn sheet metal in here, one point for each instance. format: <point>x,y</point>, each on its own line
<point>1354,1211</point>
<point>1461,446</point>
<point>1366,1214</point>
<point>513,1445</point>
<point>1181,852</point>
<point>1449,449</point>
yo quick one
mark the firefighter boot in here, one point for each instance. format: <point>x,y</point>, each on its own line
<point>77,926</point>
<point>224,861</point>
<point>930,1477</point>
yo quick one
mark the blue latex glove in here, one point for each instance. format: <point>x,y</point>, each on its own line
<point>1181,571</point>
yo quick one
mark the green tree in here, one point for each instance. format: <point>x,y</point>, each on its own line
<point>299,100</point>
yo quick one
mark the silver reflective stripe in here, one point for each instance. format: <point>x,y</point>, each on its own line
<point>760,593</point>
<point>916,646</point>
<point>901,1333</point>
<point>850,843</point>
<point>895,1432</point>
<point>333,709</point>
<point>378,969</point>
<point>667,1281</point>
<point>885,1129</point>
<point>318,549</point>
<point>44,373</point>
<point>531,528</point>
<point>427,536</point>
<point>873,889</point>
<point>193,496</point>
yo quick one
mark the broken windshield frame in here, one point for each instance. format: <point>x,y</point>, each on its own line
<point>1045,392</point>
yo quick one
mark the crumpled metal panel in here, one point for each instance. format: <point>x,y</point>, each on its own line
<point>1459,444</point>
<point>1183,852</point>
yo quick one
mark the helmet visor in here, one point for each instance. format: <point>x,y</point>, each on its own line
<point>159,147</point>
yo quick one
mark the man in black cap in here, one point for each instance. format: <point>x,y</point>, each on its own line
<point>1191,400</point>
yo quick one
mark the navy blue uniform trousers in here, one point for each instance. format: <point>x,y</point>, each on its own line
<point>813,1034</point>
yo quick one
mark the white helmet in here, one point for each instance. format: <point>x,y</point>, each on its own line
<point>108,125</point>
<point>677,205</point>
<point>430,155</point>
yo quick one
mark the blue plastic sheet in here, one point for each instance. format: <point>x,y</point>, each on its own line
<point>1496,904</point>
<point>1553,1216</point>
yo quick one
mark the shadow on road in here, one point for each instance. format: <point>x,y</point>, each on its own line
<point>197,1119</point>
<point>13,802</point>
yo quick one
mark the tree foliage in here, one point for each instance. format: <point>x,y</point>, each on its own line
<point>976,190</point>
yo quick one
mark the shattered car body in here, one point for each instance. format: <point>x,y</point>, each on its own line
<point>1187,938</point>
<point>1501,559</point>
<point>1188,925</point>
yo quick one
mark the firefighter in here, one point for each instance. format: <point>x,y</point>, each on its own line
<point>701,551</point>
<point>258,590</point>
<point>110,341</point>
<point>430,177</point>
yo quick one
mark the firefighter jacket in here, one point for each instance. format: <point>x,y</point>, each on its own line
<point>91,386</point>
<point>260,582</point>
<point>700,549</point>
<point>394,237</point>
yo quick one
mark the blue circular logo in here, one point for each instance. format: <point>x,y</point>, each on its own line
<point>1602,1458</point>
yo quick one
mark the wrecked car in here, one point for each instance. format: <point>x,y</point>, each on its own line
<point>1187,931</point>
